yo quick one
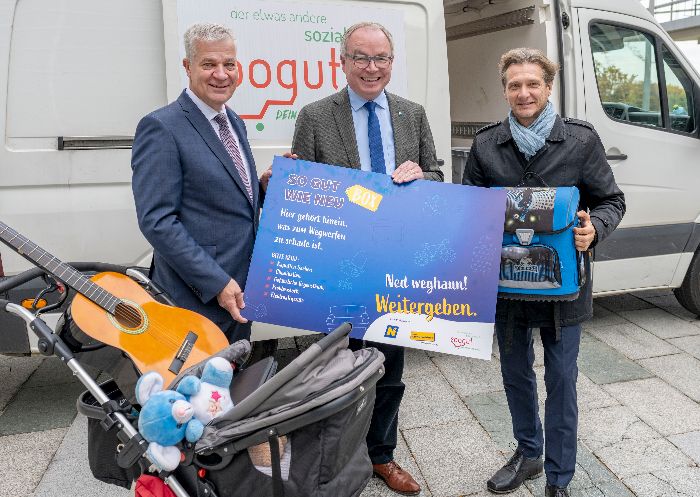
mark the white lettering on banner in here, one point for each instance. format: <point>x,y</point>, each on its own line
<point>288,54</point>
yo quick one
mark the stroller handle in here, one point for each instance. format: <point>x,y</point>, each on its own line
<point>337,334</point>
<point>30,274</point>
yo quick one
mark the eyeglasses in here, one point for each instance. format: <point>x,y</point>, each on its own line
<point>380,61</point>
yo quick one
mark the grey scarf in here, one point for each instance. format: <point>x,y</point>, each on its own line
<point>532,138</point>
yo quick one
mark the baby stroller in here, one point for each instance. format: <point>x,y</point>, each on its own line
<point>297,433</point>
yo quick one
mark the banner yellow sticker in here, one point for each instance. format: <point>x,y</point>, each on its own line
<point>422,336</point>
<point>363,197</point>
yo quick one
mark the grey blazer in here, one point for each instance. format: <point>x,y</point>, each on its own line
<point>325,133</point>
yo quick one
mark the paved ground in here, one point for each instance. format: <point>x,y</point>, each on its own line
<point>639,396</point>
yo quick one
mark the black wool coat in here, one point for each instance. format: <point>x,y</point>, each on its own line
<point>573,155</point>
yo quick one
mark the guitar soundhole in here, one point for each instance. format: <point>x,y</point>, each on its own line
<point>128,316</point>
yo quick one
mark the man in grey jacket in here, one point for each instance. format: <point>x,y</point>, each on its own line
<point>531,147</point>
<point>364,127</point>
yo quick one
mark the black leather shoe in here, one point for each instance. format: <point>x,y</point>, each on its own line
<point>518,469</point>
<point>552,491</point>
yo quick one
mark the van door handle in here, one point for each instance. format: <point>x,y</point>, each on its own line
<point>616,156</point>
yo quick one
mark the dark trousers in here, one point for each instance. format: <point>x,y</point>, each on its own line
<point>383,429</point>
<point>561,409</point>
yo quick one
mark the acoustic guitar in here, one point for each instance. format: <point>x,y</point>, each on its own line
<point>115,310</point>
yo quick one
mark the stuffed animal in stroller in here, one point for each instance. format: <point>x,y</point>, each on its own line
<point>209,395</point>
<point>166,418</point>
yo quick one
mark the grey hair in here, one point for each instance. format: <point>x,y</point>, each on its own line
<point>528,56</point>
<point>361,25</point>
<point>204,31</point>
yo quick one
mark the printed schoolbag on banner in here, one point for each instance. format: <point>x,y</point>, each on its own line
<point>538,258</point>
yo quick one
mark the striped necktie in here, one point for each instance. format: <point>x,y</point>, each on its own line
<point>374,133</point>
<point>232,148</point>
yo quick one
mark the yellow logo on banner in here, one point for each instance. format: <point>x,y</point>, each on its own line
<point>363,197</point>
<point>422,336</point>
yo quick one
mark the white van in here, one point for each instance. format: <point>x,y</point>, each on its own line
<point>621,72</point>
<point>78,76</point>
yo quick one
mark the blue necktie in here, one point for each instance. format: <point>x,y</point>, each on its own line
<point>376,150</point>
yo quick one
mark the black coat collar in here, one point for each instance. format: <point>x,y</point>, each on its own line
<point>556,135</point>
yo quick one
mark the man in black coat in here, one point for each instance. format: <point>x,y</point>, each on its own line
<point>535,146</point>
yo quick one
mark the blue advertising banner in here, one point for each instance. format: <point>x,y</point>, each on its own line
<point>414,265</point>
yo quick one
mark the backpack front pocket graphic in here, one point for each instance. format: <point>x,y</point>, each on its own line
<point>529,267</point>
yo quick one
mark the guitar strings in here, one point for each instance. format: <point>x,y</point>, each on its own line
<point>159,331</point>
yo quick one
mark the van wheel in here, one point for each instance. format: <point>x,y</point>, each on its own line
<point>260,349</point>
<point>688,294</point>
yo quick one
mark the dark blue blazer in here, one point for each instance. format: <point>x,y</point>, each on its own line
<point>192,205</point>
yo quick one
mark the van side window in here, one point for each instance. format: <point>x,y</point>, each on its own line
<point>626,73</point>
<point>679,91</point>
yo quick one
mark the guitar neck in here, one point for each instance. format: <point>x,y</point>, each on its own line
<point>64,272</point>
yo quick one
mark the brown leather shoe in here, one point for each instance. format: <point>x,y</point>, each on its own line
<point>396,479</point>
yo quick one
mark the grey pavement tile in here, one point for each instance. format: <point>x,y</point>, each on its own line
<point>491,411</point>
<point>603,317</point>
<point>689,443</point>
<point>669,303</point>
<point>661,323</point>
<point>539,349</point>
<point>678,482</point>
<point>418,363</point>
<point>634,342</point>
<point>690,344</point>
<point>286,343</point>
<point>593,478</point>
<point>403,456</point>
<point>591,395</point>
<point>634,457</point>
<point>24,458</point>
<point>615,488</point>
<point>41,408</point>
<point>657,292</point>
<point>680,370</point>
<point>602,364</point>
<point>599,310</point>
<point>600,428</point>
<point>14,372</point>
<point>659,405</point>
<point>470,376</point>
<point>521,492</point>
<point>69,469</point>
<point>51,372</point>
<point>456,458</point>
<point>623,302</point>
<point>428,401</point>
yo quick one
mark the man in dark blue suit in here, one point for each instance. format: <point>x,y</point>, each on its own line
<point>195,186</point>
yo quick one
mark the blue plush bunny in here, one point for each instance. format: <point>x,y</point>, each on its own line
<point>166,418</point>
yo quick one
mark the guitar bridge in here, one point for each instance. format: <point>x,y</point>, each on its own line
<point>183,353</point>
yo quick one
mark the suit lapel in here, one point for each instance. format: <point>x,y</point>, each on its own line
<point>205,130</point>
<point>401,128</point>
<point>342,113</point>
